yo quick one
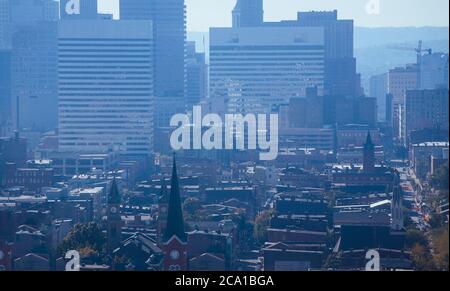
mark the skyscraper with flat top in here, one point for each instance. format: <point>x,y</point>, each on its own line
<point>105,78</point>
<point>248,13</point>
<point>169,31</point>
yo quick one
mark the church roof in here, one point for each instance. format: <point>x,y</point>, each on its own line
<point>175,221</point>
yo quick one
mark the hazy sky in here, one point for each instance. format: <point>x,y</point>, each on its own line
<point>202,14</point>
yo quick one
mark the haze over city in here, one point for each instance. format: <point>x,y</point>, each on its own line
<point>202,14</point>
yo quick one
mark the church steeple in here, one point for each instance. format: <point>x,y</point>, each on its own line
<point>175,221</point>
<point>175,238</point>
<point>369,154</point>
<point>114,195</point>
<point>114,220</point>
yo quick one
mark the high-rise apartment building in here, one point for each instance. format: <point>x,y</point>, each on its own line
<point>105,86</point>
<point>248,13</point>
<point>255,69</point>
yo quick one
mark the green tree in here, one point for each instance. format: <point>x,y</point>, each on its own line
<point>441,248</point>
<point>422,258</point>
<point>87,238</point>
<point>440,179</point>
<point>262,223</point>
<point>414,237</point>
<point>191,206</point>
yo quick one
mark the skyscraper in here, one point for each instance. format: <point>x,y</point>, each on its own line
<point>196,76</point>
<point>434,71</point>
<point>426,110</point>
<point>5,21</point>
<point>257,68</point>
<point>340,65</point>
<point>105,86</point>
<point>379,89</point>
<point>5,87</point>
<point>33,63</point>
<point>248,13</point>
<point>400,80</point>
<point>169,31</point>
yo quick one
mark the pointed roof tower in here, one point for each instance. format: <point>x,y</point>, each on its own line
<point>114,195</point>
<point>369,144</point>
<point>175,221</point>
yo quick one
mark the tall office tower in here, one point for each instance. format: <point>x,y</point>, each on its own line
<point>105,86</point>
<point>5,21</point>
<point>255,69</point>
<point>5,87</point>
<point>33,63</point>
<point>400,80</point>
<point>78,9</point>
<point>434,71</point>
<point>169,30</point>
<point>248,13</point>
<point>196,76</point>
<point>426,110</point>
<point>340,65</point>
<point>379,89</point>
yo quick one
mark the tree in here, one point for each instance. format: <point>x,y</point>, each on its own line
<point>415,237</point>
<point>191,206</point>
<point>422,258</point>
<point>262,223</point>
<point>440,179</point>
<point>441,248</point>
<point>87,238</point>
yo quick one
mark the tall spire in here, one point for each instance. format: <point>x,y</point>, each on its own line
<point>175,222</point>
<point>114,195</point>
<point>369,154</point>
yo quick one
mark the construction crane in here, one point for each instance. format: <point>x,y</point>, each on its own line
<point>419,50</point>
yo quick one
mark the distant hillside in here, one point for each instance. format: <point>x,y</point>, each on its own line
<point>370,37</point>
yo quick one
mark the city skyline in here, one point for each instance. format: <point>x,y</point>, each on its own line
<point>432,13</point>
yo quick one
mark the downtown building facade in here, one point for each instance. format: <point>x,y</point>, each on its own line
<point>255,69</point>
<point>105,86</point>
